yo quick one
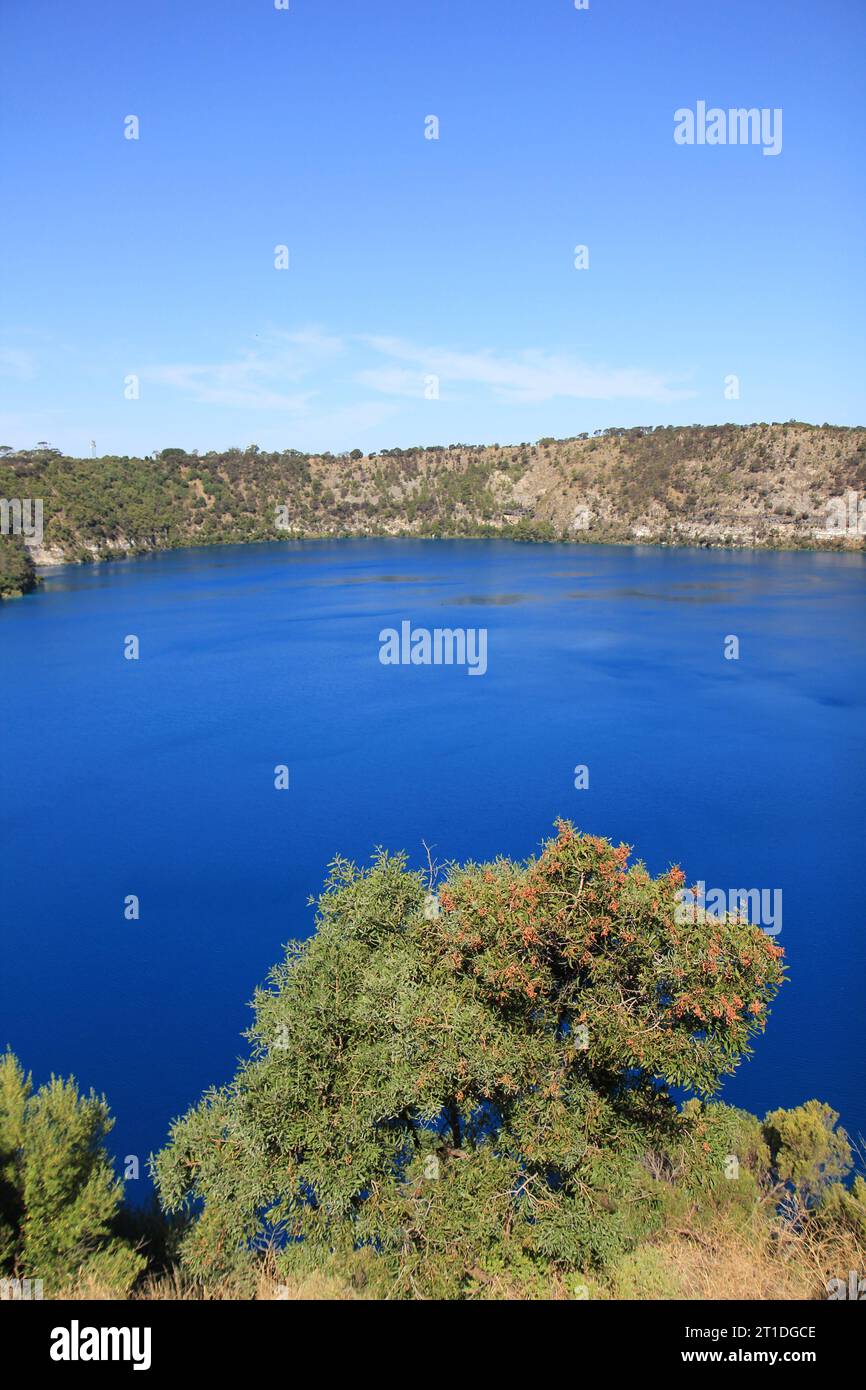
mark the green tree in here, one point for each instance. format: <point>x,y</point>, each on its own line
<point>59,1199</point>
<point>17,571</point>
<point>445,1086</point>
<point>807,1151</point>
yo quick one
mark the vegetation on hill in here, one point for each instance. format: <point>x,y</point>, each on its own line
<point>463,1091</point>
<point>755,485</point>
<point>17,570</point>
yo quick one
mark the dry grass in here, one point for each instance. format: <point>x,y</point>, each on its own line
<point>729,1263</point>
<point>267,1286</point>
<point>760,1262</point>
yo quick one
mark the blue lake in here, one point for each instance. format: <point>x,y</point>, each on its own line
<point>156,777</point>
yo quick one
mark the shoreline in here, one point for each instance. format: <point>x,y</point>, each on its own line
<point>47,562</point>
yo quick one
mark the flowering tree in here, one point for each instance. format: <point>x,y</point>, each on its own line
<point>436,1093</point>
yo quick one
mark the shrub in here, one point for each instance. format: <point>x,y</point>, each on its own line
<point>17,570</point>
<point>59,1198</point>
<point>445,1088</point>
<point>806,1149</point>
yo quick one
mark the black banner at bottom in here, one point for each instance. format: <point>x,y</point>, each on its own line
<point>155,1338</point>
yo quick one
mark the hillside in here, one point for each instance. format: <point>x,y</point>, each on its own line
<point>762,485</point>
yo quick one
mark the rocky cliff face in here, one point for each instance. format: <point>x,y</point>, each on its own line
<point>790,485</point>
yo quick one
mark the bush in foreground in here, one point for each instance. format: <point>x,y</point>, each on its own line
<point>59,1199</point>
<point>463,1095</point>
<point>450,1091</point>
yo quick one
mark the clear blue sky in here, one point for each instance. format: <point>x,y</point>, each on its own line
<point>412,257</point>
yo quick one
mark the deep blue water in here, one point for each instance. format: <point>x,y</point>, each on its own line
<point>155,777</point>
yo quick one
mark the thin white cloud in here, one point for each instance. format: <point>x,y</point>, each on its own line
<point>393,381</point>
<point>294,373</point>
<point>312,338</point>
<point>257,379</point>
<point>235,384</point>
<point>528,377</point>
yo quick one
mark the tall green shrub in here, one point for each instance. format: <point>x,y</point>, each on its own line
<point>443,1087</point>
<point>59,1198</point>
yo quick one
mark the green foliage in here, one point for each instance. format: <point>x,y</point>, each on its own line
<point>676,483</point>
<point>17,571</point>
<point>644,1274</point>
<point>435,1098</point>
<point>844,1208</point>
<point>806,1149</point>
<point>458,1095</point>
<point>59,1199</point>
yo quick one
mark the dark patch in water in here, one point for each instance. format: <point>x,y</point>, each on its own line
<point>377,579</point>
<point>499,600</point>
<point>614,594</point>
